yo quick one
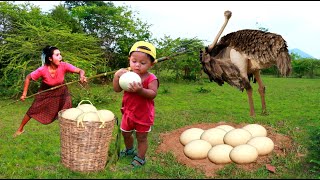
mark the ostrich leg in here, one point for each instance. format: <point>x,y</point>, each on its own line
<point>250,100</point>
<point>242,62</point>
<point>262,91</point>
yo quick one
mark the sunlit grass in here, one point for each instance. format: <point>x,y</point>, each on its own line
<point>293,106</point>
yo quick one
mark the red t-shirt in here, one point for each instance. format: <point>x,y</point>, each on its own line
<point>43,72</point>
<point>137,108</point>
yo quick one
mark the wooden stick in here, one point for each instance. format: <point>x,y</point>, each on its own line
<point>103,74</point>
<point>55,87</point>
<point>95,76</point>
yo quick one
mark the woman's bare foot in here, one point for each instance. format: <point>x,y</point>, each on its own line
<point>17,133</point>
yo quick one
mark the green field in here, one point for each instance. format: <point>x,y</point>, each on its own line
<point>293,102</point>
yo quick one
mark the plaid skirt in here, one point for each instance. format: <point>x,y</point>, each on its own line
<point>46,105</point>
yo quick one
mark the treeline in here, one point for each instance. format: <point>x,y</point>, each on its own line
<point>301,67</point>
<point>93,35</point>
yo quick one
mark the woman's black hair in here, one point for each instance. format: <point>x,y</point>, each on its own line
<point>48,52</point>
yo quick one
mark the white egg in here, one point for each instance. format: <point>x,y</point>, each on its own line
<point>105,115</point>
<point>256,130</point>
<point>219,154</point>
<point>214,136</point>
<point>197,149</point>
<point>190,134</point>
<point>225,127</point>
<point>127,78</point>
<point>263,144</point>
<point>243,154</point>
<point>236,137</point>
<point>89,116</point>
<point>71,113</point>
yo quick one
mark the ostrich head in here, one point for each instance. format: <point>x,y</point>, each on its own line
<point>212,50</point>
<point>205,55</point>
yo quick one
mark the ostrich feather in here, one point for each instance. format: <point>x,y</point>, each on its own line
<point>239,56</point>
<point>265,48</point>
<point>262,49</point>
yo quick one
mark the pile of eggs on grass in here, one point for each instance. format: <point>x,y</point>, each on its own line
<point>88,112</point>
<point>224,144</point>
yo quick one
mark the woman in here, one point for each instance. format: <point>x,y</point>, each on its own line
<point>46,105</point>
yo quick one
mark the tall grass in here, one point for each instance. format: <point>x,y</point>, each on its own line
<point>293,106</point>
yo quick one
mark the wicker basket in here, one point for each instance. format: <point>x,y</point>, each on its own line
<point>84,149</point>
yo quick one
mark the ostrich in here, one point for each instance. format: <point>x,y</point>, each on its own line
<point>239,56</point>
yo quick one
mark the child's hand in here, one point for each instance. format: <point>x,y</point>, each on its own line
<point>135,87</point>
<point>120,72</point>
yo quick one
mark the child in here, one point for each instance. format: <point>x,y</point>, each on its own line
<point>138,101</point>
<point>46,105</point>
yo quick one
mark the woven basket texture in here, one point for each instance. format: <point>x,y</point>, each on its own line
<point>84,149</point>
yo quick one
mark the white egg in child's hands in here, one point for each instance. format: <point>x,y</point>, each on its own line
<point>127,78</point>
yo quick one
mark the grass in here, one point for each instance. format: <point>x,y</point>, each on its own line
<point>293,106</point>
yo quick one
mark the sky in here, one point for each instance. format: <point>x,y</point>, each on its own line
<point>296,21</point>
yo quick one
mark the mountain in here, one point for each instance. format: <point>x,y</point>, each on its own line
<point>299,52</point>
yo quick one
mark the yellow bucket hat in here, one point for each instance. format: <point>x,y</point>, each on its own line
<point>138,44</point>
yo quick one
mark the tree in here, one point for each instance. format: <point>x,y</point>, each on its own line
<point>117,27</point>
<point>185,66</point>
<point>63,16</point>
<point>260,27</point>
<point>28,32</point>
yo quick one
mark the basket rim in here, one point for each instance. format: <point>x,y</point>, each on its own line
<point>100,122</point>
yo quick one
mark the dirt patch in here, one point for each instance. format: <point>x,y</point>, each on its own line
<point>170,142</point>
